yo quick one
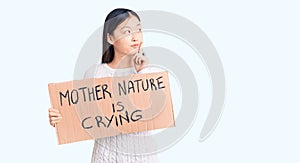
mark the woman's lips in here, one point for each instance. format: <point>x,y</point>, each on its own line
<point>135,45</point>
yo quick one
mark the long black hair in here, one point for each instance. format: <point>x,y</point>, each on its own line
<point>113,19</point>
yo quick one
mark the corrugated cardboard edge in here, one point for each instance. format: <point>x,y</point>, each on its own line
<point>169,89</point>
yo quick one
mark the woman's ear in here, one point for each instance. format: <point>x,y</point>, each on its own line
<point>110,39</point>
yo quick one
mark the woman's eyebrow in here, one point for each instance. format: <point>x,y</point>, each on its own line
<point>130,27</point>
<point>124,27</point>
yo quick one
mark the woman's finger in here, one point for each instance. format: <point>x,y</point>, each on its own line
<point>140,47</point>
<point>53,124</point>
<point>54,114</point>
<point>53,110</point>
<point>55,119</point>
<point>137,59</point>
<point>134,58</point>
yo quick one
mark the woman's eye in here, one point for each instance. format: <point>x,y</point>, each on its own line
<point>127,31</point>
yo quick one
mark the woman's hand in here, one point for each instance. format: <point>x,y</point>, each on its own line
<point>139,60</point>
<point>54,116</point>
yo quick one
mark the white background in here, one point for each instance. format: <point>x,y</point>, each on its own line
<point>258,43</point>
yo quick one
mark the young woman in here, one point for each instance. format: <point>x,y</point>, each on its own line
<point>122,40</point>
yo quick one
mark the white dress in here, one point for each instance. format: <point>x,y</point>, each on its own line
<point>123,148</point>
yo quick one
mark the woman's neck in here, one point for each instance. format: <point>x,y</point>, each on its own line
<point>121,61</point>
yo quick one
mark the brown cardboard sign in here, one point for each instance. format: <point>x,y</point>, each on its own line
<point>102,107</point>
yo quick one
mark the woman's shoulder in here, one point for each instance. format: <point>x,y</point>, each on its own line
<point>96,70</point>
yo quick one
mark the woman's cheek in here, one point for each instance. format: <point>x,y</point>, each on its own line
<point>125,48</point>
<point>131,51</point>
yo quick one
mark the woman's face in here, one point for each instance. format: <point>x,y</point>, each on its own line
<point>127,37</point>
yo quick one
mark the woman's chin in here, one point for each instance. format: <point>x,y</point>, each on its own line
<point>132,52</point>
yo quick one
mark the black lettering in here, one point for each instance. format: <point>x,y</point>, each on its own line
<point>145,89</point>
<point>137,84</point>
<point>152,84</point>
<point>130,86</point>
<point>159,82</point>
<point>83,88</point>
<point>99,120</point>
<point>119,103</point>
<point>126,118</point>
<point>82,123</point>
<point>97,90</point>
<point>91,94</point>
<point>104,89</point>
<point>109,120</point>
<point>76,96</point>
<point>116,121</point>
<point>123,88</point>
<point>137,117</point>
<point>113,106</point>
<point>65,96</point>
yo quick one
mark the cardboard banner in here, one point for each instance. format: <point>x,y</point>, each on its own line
<point>102,107</point>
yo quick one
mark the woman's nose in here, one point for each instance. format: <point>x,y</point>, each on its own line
<point>134,36</point>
